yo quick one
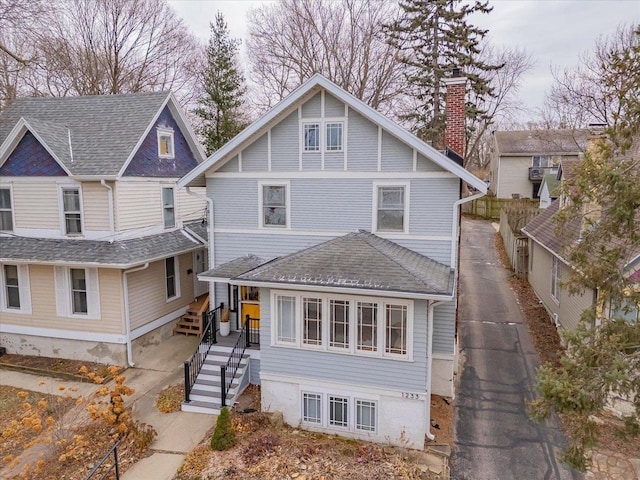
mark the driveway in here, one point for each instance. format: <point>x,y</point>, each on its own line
<point>495,439</point>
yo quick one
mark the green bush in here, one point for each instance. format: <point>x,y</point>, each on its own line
<point>224,436</point>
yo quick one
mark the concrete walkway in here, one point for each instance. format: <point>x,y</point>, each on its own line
<point>156,366</point>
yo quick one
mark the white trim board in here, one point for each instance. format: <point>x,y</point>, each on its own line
<point>332,174</point>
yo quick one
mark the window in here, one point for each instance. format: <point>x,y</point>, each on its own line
<point>79,303</point>
<point>171,277</point>
<point>338,411</point>
<point>286,319</point>
<point>6,212</point>
<point>556,270</point>
<point>311,135</point>
<point>367,327</point>
<point>168,208</point>
<point>312,321</point>
<point>165,143</point>
<point>339,323</point>
<point>540,161</point>
<point>366,415</point>
<point>12,286</point>
<point>396,329</point>
<point>334,137</point>
<point>391,208</point>
<point>72,210</point>
<point>626,310</point>
<point>311,408</point>
<point>274,206</point>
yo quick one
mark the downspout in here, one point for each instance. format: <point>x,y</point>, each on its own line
<point>112,227</point>
<point>454,226</point>
<point>210,220</point>
<point>127,315</point>
<point>432,305</point>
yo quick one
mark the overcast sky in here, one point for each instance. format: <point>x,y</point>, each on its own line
<point>554,32</point>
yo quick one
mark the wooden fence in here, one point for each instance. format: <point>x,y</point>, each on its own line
<point>512,220</point>
<point>490,207</point>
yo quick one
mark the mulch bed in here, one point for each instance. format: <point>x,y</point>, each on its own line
<point>53,367</point>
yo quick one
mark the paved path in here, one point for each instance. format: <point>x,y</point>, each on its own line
<point>495,439</point>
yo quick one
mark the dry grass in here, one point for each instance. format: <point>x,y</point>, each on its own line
<point>170,399</point>
<point>59,365</point>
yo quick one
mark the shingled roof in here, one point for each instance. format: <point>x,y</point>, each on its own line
<point>233,268</point>
<point>104,129</point>
<point>118,254</point>
<point>358,260</point>
<point>542,142</point>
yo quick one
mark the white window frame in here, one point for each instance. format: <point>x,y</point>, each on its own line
<point>287,201</point>
<point>340,148</point>
<point>347,344</point>
<point>345,401</point>
<point>539,158</point>
<point>176,278</point>
<point>63,213</point>
<point>320,329</point>
<point>72,291</point>
<point>374,208</point>
<point>306,420</point>
<point>556,272</point>
<point>368,349</point>
<point>277,338</point>
<point>64,302</point>
<point>381,305</point>
<point>358,402</point>
<point>24,289</point>
<point>166,132</point>
<point>11,208</point>
<point>165,207</point>
<point>318,125</point>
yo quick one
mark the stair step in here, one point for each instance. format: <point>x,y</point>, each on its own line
<point>191,316</point>
<point>201,407</point>
<point>220,363</point>
<point>216,383</point>
<point>210,394</point>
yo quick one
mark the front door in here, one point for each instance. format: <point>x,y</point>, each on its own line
<point>250,305</point>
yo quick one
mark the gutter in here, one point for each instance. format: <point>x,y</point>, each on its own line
<point>112,228</point>
<point>127,314</point>
<point>211,248</point>
<point>427,408</point>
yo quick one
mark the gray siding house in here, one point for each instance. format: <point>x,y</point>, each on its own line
<point>338,229</point>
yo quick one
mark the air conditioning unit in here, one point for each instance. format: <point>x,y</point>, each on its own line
<point>536,171</point>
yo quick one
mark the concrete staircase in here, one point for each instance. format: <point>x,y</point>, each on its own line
<point>191,322</point>
<point>205,395</point>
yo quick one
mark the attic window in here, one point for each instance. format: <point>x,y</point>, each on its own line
<point>165,143</point>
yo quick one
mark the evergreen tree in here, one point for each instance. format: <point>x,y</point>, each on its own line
<point>224,89</point>
<point>434,37</point>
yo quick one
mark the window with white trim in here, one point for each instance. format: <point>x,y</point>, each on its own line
<point>79,300</point>
<point>338,411</point>
<point>77,292</point>
<point>556,271</point>
<point>15,294</point>
<point>311,136</point>
<point>171,277</point>
<point>541,161</point>
<point>274,200</point>
<point>366,415</point>
<point>312,408</point>
<point>165,143</point>
<point>6,210</point>
<point>168,207</point>
<point>72,210</point>
<point>391,208</point>
<point>355,325</point>
<point>333,136</point>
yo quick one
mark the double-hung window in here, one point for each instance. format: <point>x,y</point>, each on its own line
<point>77,292</point>
<point>12,287</point>
<point>391,208</point>
<point>72,210</point>
<point>168,207</point>
<point>15,294</point>
<point>79,302</point>
<point>6,211</point>
<point>171,277</point>
<point>165,143</point>
<point>556,271</point>
<point>274,205</point>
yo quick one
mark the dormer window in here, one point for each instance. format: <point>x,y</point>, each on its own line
<point>165,143</point>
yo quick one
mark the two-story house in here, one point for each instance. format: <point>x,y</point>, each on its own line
<point>96,252</point>
<point>521,158</point>
<point>338,229</point>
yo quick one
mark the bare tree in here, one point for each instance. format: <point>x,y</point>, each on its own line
<point>343,40</point>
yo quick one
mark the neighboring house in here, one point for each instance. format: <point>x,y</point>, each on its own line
<point>520,159</point>
<point>338,229</point>
<point>95,249</point>
<point>549,189</point>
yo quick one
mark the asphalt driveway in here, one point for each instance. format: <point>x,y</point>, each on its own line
<point>495,439</point>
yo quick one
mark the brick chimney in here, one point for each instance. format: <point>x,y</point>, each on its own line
<point>455,114</point>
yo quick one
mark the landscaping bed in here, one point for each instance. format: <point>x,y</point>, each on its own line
<point>53,367</point>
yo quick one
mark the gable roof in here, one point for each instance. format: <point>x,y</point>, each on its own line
<point>541,142</point>
<point>542,229</point>
<point>553,184</point>
<point>361,261</point>
<point>93,135</point>
<point>311,86</point>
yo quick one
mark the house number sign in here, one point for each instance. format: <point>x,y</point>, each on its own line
<point>411,396</point>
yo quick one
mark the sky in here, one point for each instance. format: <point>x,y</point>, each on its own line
<point>554,32</point>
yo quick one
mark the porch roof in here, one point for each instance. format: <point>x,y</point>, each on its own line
<point>102,253</point>
<point>356,261</point>
<point>232,269</point>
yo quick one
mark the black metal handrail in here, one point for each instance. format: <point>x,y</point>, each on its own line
<point>114,450</point>
<point>193,366</point>
<point>254,332</point>
<point>228,371</point>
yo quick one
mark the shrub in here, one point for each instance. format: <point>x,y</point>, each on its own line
<point>224,436</point>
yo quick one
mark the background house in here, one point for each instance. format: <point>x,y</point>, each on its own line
<point>520,159</point>
<point>338,230</point>
<point>96,251</point>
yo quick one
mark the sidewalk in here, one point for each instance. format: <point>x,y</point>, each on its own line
<point>157,366</point>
